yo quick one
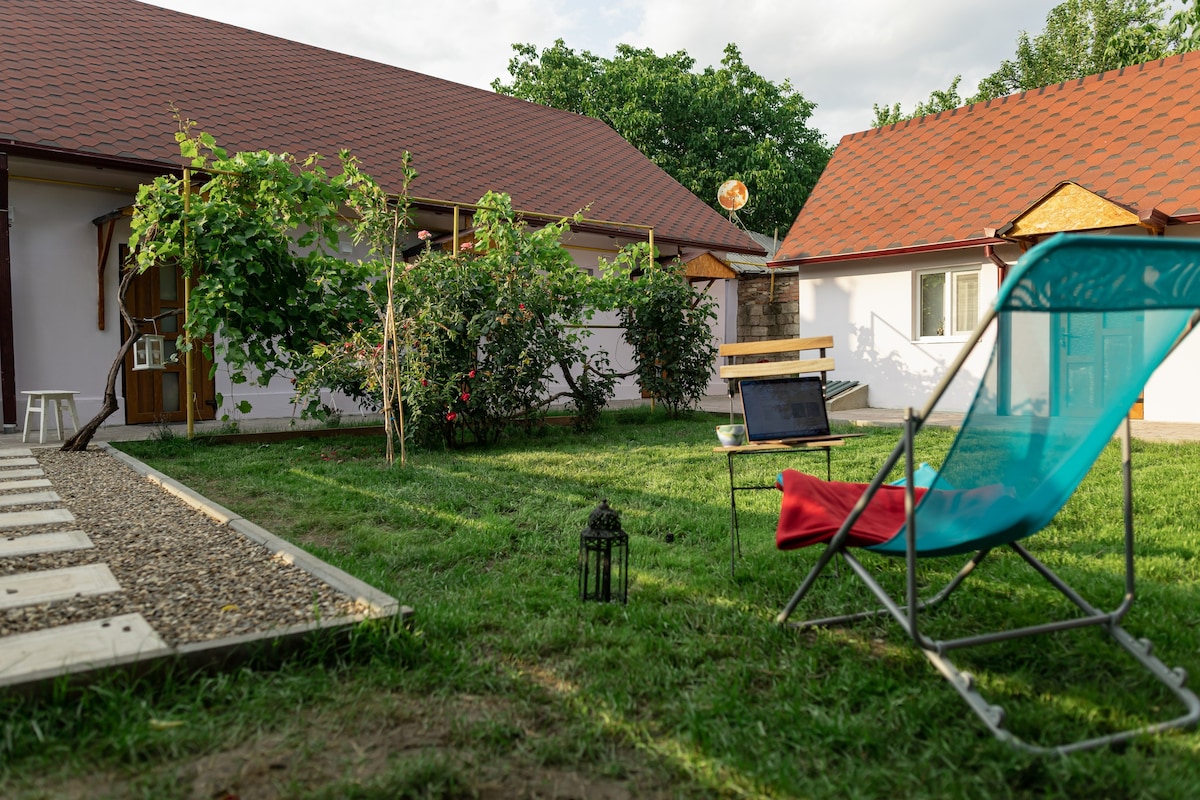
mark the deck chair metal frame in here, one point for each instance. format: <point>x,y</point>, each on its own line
<point>907,612</point>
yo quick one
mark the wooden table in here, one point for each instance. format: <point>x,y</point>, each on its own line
<point>759,448</point>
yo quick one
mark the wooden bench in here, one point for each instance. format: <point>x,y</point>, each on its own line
<point>733,371</point>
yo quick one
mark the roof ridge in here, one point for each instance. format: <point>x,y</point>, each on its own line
<point>1067,85</point>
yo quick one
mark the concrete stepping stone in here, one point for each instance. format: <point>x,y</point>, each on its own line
<point>5,474</point>
<point>97,643</point>
<point>24,483</point>
<point>18,462</point>
<point>10,452</point>
<point>47,516</point>
<point>34,543</point>
<point>49,585</point>
<point>29,498</point>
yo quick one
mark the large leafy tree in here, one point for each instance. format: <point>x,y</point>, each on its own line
<point>1137,44</point>
<point>1081,37</point>
<point>702,128</point>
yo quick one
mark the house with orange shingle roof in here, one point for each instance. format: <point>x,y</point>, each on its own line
<point>911,228</point>
<point>89,92</point>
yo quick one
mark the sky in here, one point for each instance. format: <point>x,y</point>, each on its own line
<point>845,57</point>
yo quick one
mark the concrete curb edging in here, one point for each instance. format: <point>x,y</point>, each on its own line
<point>378,603</point>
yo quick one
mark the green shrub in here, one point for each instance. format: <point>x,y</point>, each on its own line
<point>484,332</point>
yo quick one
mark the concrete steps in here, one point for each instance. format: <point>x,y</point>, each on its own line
<point>34,659</point>
<point>65,647</point>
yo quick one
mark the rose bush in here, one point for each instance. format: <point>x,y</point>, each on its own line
<point>485,333</point>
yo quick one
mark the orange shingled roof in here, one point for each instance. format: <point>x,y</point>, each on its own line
<point>98,79</point>
<point>1130,135</point>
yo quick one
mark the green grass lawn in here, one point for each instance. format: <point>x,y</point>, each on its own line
<point>691,690</point>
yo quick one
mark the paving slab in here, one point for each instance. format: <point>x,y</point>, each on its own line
<point>46,516</point>
<point>18,462</point>
<point>9,452</point>
<point>29,498</point>
<point>24,483</point>
<point>32,472</point>
<point>82,645</point>
<point>49,585</point>
<point>60,541</point>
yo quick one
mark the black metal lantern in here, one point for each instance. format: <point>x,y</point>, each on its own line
<point>601,545</point>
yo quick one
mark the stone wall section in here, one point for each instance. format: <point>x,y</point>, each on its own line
<point>763,314</point>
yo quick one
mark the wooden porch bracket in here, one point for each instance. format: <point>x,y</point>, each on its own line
<point>105,226</point>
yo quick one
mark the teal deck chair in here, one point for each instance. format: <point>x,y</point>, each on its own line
<point>1043,411</point>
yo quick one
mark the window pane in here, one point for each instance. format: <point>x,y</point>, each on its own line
<point>168,282</point>
<point>170,395</point>
<point>932,288</point>
<point>966,301</point>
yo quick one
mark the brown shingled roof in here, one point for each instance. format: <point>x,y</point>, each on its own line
<point>99,78</point>
<point>1130,135</point>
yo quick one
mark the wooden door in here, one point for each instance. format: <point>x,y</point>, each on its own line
<point>1096,350</point>
<point>160,395</point>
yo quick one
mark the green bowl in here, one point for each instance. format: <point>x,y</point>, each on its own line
<point>731,435</point>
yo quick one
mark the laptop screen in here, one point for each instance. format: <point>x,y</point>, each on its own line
<point>784,408</point>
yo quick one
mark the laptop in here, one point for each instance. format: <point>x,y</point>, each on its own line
<point>785,410</point>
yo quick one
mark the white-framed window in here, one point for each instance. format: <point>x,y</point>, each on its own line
<point>947,302</point>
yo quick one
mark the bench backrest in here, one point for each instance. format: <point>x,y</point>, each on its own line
<point>732,371</point>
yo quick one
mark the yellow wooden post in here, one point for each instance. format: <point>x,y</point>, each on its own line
<point>189,391</point>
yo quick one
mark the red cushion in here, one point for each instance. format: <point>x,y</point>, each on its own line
<point>814,509</point>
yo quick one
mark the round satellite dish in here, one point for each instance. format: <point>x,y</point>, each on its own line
<point>732,195</point>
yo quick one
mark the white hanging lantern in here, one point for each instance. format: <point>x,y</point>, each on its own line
<point>148,351</point>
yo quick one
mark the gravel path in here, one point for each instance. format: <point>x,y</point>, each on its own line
<point>191,578</point>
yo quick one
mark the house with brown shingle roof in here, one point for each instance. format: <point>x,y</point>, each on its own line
<point>911,227</point>
<point>89,90</point>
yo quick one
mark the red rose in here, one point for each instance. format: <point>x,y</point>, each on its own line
<point>451,416</point>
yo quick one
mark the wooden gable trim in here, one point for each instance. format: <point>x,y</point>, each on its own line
<point>706,265</point>
<point>1070,207</point>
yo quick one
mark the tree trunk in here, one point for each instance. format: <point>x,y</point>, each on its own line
<point>79,442</point>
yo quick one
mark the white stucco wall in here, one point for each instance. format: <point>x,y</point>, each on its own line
<point>57,342</point>
<point>53,249</point>
<point>604,332</point>
<point>1171,393</point>
<point>867,306</point>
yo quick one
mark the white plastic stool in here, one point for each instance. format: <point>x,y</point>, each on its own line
<point>36,404</point>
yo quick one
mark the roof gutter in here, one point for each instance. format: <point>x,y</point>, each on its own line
<point>609,228</point>
<point>163,167</point>
<point>895,251</point>
<point>1003,266</point>
<point>65,156</point>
